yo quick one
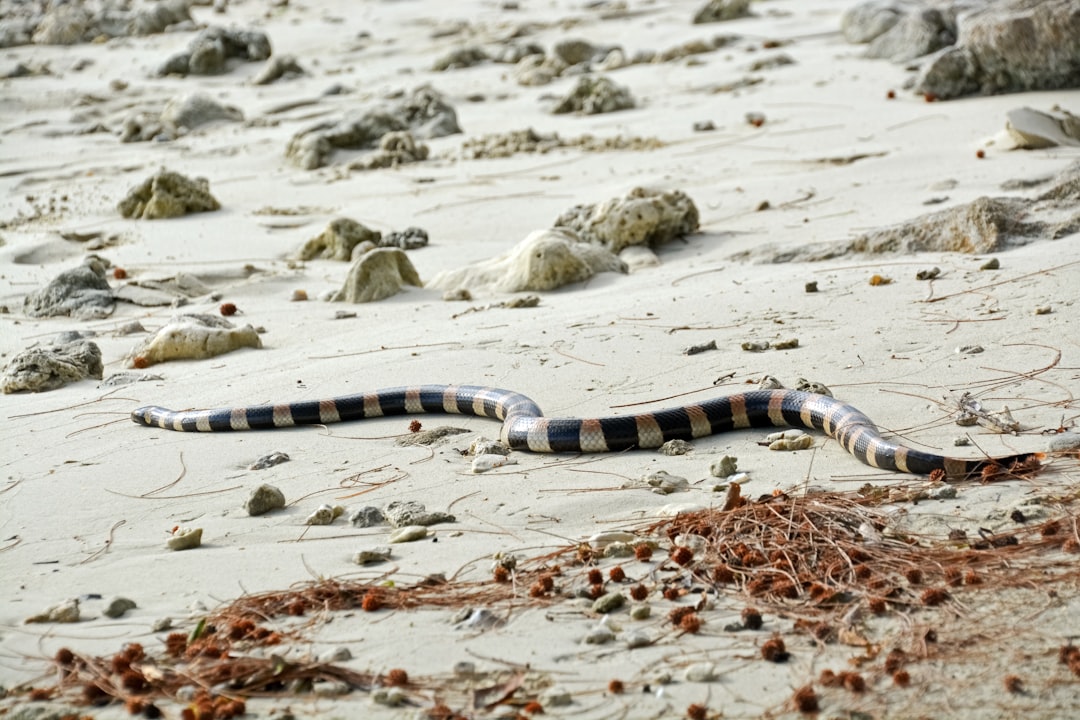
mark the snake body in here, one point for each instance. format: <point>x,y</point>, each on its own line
<point>525,427</point>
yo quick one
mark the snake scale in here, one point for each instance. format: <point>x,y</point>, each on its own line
<point>525,427</point>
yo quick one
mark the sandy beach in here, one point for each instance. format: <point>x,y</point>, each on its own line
<point>794,148</point>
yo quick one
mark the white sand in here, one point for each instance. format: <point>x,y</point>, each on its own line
<point>72,521</point>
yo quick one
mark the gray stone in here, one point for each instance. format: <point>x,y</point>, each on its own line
<point>82,292</point>
<point>49,367</point>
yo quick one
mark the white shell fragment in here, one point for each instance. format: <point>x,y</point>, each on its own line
<point>603,539</point>
<point>599,635</point>
<point>195,336</point>
<point>701,672</point>
<point>324,515</point>
<point>490,461</point>
<point>409,533</point>
<point>185,539</point>
<point>65,612</point>
<point>801,442</point>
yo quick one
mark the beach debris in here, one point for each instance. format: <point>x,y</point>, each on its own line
<point>278,67</point>
<point>73,23</point>
<point>64,612</point>
<point>1000,47</point>
<point>372,555</point>
<point>367,516</point>
<point>594,95</point>
<point>490,461</point>
<point>208,51</point>
<point>1030,129</point>
<point>118,607</point>
<point>755,345</point>
<point>724,467</point>
<point>789,440</point>
<point>545,260</point>
<point>192,336</point>
<point>395,148</point>
<point>408,533</point>
<point>700,348</point>
<point>47,367</point>
<point>721,11</point>
<point>928,274</point>
<point>675,447</point>
<point>812,386</point>
<point>269,460</point>
<point>185,539</point>
<point>376,275</point>
<point>1064,442</point>
<point>82,292</point>
<point>402,513</point>
<point>410,238</point>
<point>424,113</point>
<point>179,116</point>
<point>641,217</point>
<point>428,437</point>
<point>263,499</point>
<point>664,483</point>
<point>338,241</point>
<point>324,515</point>
<point>154,292</point>
<point>507,144</point>
<point>971,412</point>
<point>460,58</point>
<point>485,446</point>
<point>168,194</point>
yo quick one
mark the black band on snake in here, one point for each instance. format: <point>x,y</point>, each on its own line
<point>526,428</point>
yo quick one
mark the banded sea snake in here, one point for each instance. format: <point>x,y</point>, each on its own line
<point>525,427</point>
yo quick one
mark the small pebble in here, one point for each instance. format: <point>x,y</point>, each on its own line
<point>299,296</point>
<point>945,492</point>
<point>812,386</point>
<point>1065,441</point>
<point>365,517</point>
<point>789,344</point>
<point>641,611</point>
<point>701,672</point>
<point>118,606</point>
<point>618,550</point>
<point>390,697</point>
<point>608,603</point>
<point>556,697</point>
<point>338,654</point>
<point>400,513</point>
<point>665,483</point>
<point>726,466</point>
<point>269,460</point>
<point>879,280</point>
<point>599,635</point>
<point>698,349</point>
<point>489,461</point>
<point>162,624</point>
<point>637,639</point>
<point>969,349</point>
<point>344,315</point>
<point>372,555</point>
<point>703,126</point>
<point>264,499</point>
<point>603,539</point>
<point>675,447</point>
<point>811,287</point>
<point>408,533</point>
<point>928,274</point>
<point>483,446</point>
<point>755,346</point>
<point>991,264</point>
<point>1043,310</point>
<point>768,382</point>
<point>962,441</point>
<point>185,539</point>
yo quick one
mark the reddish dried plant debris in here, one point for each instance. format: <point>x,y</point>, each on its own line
<point>414,426</point>
<point>774,650</point>
<point>901,678</point>
<point>533,708</point>
<point>853,681</point>
<point>396,678</point>
<point>934,596</point>
<point>723,575</point>
<point>980,153</point>
<point>682,555</point>
<point>643,552</point>
<point>616,687</point>
<point>806,700</point>
<point>1014,684</point>
<point>691,623</point>
<point>895,660</point>
<point>617,574</point>
<point>372,601</point>
<point>891,95</point>
<point>751,619</point>
<point>697,712</point>
<point>501,574</point>
<point>139,362</point>
<point>119,273</point>
<point>596,577</point>
<point>227,309</point>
